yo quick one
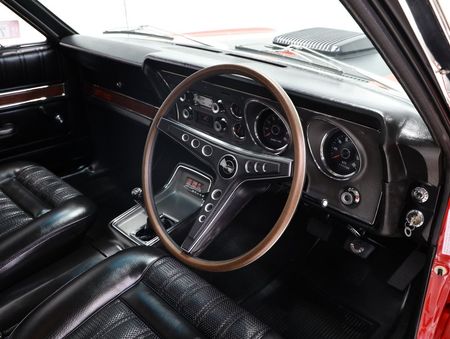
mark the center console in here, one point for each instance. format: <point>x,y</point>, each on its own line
<point>180,197</point>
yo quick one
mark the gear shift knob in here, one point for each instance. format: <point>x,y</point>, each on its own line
<point>136,193</point>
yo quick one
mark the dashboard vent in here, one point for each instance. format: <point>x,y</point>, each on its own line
<point>326,40</point>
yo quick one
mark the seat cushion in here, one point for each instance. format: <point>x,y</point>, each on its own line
<point>140,293</point>
<point>39,214</point>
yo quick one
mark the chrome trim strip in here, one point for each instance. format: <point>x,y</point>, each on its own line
<point>132,236</point>
<point>31,90</point>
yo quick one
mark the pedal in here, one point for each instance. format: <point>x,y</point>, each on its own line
<point>359,247</point>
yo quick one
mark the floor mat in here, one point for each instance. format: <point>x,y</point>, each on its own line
<point>297,315</point>
<point>329,294</point>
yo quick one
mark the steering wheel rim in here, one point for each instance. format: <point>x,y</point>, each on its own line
<point>297,169</point>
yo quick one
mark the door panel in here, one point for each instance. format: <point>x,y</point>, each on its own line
<point>27,66</point>
<point>39,119</point>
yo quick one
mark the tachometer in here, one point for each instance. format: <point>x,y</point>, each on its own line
<point>339,155</point>
<point>271,131</point>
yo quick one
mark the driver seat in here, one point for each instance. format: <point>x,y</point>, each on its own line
<point>140,292</point>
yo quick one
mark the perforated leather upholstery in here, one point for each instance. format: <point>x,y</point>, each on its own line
<point>12,216</point>
<point>39,215</point>
<point>141,293</point>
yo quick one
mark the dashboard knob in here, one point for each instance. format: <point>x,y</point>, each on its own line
<point>187,113</point>
<point>420,195</point>
<point>415,218</point>
<point>217,107</point>
<point>350,197</point>
<point>220,125</point>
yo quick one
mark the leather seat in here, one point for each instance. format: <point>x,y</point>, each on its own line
<point>39,215</point>
<point>140,293</point>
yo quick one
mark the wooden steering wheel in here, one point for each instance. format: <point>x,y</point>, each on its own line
<point>229,179</point>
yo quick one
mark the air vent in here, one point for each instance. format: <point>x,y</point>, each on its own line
<point>326,40</point>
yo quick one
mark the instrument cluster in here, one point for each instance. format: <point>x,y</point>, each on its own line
<point>239,120</point>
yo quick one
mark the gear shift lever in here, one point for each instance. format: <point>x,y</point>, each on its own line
<point>136,193</point>
<point>145,233</point>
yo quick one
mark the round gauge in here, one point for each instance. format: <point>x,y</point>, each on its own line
<point>239,131</point>
<point>236,110</point>
<point>271,131</point>
<point>339,155</point>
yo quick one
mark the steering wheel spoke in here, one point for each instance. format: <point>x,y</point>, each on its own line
<point>226,159</point>
<point>189,139</point>
<point>266,167</point>
<point>212,218</point>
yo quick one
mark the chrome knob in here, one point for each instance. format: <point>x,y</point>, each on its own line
<point>415,218</point>
<point>420,195</point>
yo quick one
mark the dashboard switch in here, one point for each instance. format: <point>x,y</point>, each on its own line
<point>187,113</point>
<point>220,125</point>
<point>415,218</point>
<point>420,195</point>
<point>249,166</point>
<point>195,143</point>
<point>270,167</point>
<point>217,107</point>
<point>207,150</point>
<point>216,194</point>
<point>350,197</point>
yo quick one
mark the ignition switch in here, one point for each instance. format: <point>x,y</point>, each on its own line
<point>414,219</point>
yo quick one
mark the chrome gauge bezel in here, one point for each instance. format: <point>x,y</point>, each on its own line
<point>324,166</point>
<point>258,139</point>
<point>234,132</point>
<point>237,116</point>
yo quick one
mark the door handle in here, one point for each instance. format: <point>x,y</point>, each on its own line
<point>7,130</point>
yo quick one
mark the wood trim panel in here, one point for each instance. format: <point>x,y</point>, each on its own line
<point>24,96</point>
<point>123,101</point>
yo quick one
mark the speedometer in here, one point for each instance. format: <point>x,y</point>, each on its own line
<point>339,155</point>
<point>271,131</point>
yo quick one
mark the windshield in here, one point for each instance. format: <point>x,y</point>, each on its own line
<point>317,33</point>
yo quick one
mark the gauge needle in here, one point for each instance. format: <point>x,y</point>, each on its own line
<point>336,156</point>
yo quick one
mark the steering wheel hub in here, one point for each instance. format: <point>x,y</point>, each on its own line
<point>228,166</point>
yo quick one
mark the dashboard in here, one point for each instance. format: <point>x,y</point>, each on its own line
<point>368,151</point>
<point>339,151</point>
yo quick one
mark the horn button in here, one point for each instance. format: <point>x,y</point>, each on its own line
<point>227,166</point>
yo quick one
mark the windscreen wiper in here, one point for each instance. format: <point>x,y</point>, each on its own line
<point>277,51</point>
<point>355,71</point>
<point>155,32</point>
<point>315,59</point>
<point>138,32</point>
<point>300,51</point>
